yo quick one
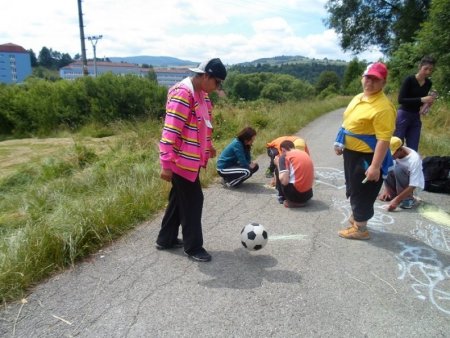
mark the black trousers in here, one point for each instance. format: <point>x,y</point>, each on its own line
<point>290,193</point>
<point>185,209</point>
<point>272,152</point>
<point>362,195</point>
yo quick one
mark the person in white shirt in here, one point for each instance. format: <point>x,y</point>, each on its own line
<point>407,175</point>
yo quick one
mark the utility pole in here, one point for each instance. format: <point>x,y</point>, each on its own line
<point>83,47</point>
<point>94,39</point>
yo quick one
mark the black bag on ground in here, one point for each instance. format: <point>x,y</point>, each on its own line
<point>436,171</point>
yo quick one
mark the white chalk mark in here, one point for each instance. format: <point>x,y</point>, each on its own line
<point>356,279</point>
<point>381,279</point>
<point>287,237</point>
<point>62,319</point>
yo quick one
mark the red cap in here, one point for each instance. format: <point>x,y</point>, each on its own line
<point>377,69</point>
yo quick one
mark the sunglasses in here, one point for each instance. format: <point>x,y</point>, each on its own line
<point>218,82</point>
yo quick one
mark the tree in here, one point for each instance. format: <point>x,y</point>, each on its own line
<point>45,58</point>
<point>327,79</point>
<point>362,24</point>
<point>353,71</point>
<point>64,60</point>
<point>434,39</point>
<point>151,75</point>
<point>33,58</point>
<point>272,91</point>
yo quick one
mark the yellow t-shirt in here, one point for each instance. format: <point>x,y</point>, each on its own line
<point>374,115</point>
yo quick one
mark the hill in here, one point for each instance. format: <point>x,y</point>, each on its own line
<point>167,61</point>
<point>291,60</point>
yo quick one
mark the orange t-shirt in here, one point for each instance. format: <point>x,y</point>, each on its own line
<point>301,169</point>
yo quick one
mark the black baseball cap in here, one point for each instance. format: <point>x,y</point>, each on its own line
<point>213,67</point>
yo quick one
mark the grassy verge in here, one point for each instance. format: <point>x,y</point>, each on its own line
<point>435,138</point>
<point>72,199</point>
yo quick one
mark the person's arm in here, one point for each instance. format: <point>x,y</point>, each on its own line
<point>405,93</point>
<point>400,197</point>
<point>241,155</point>
<point>176,117</point>
<point>283,172</point>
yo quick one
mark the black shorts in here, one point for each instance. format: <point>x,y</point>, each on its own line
<point>291,194</point>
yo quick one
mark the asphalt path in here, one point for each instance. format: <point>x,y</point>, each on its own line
<point>306,282</point>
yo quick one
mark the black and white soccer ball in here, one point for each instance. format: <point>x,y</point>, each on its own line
<point>254,236</point>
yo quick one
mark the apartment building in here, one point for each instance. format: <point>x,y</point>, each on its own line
<point>15,63</point>
<point>165,76</point>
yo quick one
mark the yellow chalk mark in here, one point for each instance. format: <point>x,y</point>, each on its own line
<point>434,213</point>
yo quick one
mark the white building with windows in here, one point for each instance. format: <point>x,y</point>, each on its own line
<point>165,76</point>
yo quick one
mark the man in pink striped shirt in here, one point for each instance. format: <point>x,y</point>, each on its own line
<point>185,147</point>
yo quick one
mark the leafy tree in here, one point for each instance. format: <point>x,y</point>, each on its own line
<point>434,39</point>
<point>327,79</point>
<point>33,58</point>
<point>64,60</point>
<point>45,58</point>
<point>51,59</point>
<point>353,71</point>
<point>365,23</point>
<point>273,92</point>
<point>403,62</point>
<point>151,75</point>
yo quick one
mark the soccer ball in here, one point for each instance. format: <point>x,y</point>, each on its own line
<point>254,236</point>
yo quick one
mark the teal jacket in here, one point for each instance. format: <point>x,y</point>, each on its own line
<point>234,155</point>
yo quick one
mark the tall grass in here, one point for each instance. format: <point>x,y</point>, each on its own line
<point>57,211</point>
<point>435,138</point>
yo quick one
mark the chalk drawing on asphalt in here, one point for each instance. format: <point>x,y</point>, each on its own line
<point>434,213</point>
<point>287,237</point>
<point>431,279</point>
<point>433,235</point>
<point>380,220</point>
<point>330,176</point>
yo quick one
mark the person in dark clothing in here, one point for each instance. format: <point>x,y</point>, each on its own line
<point>414,93</point>
<point>234,164</point>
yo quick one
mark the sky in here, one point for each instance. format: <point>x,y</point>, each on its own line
<point>195,30</point>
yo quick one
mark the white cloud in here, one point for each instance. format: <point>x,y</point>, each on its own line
<point>235,30</point>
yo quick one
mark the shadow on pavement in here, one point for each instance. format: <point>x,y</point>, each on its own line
<point>242,269</point>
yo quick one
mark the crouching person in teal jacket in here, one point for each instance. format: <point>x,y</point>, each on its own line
<point>234,164</point>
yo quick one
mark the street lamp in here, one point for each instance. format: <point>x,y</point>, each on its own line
<point>93,39</point>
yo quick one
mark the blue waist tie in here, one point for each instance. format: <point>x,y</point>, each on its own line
<point>371,141</point>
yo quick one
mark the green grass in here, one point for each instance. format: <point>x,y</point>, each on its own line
<point>435,138</point>
<point>72,198</point>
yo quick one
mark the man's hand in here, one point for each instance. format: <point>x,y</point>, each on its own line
<point>385,197</point>
<point>393,205</point>
<point>166,175</point>
<point>338,150</point>
<point>373,173</point>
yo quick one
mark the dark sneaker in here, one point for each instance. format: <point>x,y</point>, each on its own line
<point>280,199</point>
<point>200,256</point>
<point>407,204</point>
<point>175,245</point>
